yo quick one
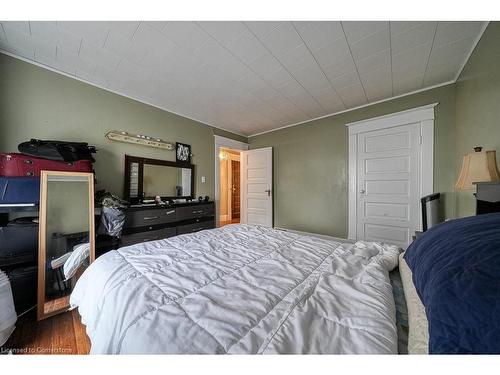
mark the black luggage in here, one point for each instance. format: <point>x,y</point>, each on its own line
<point>58,150</point>
<point>18,242</point>
<point>23,281</point>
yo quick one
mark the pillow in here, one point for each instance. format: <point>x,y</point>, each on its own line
<point>78,256</point>
<point>456,272</point>
<point>418,329</point>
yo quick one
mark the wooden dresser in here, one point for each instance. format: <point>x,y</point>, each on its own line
<point>149,223</point>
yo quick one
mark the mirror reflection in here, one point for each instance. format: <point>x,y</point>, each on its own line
<point>68,230</point>
<point>166,181</point>
<point>146,179</point>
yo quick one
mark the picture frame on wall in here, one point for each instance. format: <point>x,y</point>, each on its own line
<point>182,153</point>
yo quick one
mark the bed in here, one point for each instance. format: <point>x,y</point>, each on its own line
<point>240,289</point>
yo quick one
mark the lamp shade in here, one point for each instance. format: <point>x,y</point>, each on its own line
<point>479,166</point>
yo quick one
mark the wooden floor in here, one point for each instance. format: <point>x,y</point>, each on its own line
<point>60,334</point>
<point>56,304</point>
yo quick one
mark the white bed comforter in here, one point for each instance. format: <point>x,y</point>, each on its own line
<point>240,289</point>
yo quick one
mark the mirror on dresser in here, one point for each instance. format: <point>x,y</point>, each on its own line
<point>66,243</point>
<point>177,213</point>
<point>147,178</point>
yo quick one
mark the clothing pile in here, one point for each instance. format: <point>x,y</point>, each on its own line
<point>8,315</point>
<point>113,213</point>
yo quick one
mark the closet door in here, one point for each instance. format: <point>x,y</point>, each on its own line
<point>388,184</point>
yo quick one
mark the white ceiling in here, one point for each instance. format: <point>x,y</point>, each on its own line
<point>249,77</point>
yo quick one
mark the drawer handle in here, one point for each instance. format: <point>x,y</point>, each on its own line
<point>198,212</point>
<point>151,217</point>
<point>170,212</point>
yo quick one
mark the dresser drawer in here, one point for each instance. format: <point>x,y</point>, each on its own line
<point>141,218</point>
<point>152,235</point>
<point>195,211</point>
<point>196,227</point>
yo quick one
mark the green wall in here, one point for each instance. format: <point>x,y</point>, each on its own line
<point>478,106</point>
<point>38,103</point>
<point>311,163</point>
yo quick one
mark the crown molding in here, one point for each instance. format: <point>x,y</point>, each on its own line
<point>355,108</point>
<point>474,45</point>
<point>457,76</point>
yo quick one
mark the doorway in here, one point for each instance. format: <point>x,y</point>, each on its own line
<point>256,183</point>
<point>222,143</point>
<point>229,186</point>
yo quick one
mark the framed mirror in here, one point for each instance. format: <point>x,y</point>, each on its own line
<point>147,178</point>
<point>66,240</point>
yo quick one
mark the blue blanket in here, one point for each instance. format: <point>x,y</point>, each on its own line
<point>456,271</point>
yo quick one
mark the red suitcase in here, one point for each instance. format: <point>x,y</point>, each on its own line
<point>19,165</point>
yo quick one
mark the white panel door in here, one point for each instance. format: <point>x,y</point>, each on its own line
<point>256,186</point>
<point>388,168</point>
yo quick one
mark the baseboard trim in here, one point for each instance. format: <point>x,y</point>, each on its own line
<point>323,236</point>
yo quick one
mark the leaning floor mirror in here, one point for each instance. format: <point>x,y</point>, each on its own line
<point>66,242</point>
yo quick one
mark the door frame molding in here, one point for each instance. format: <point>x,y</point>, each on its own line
<point>231,158</point>
<point>225,143</point>
<point>423,115</point>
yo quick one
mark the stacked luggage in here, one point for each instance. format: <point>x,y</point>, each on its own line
<point>20,172</point>
<point>19,184</point>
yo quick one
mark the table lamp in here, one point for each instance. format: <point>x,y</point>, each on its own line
<point>477,166</point>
